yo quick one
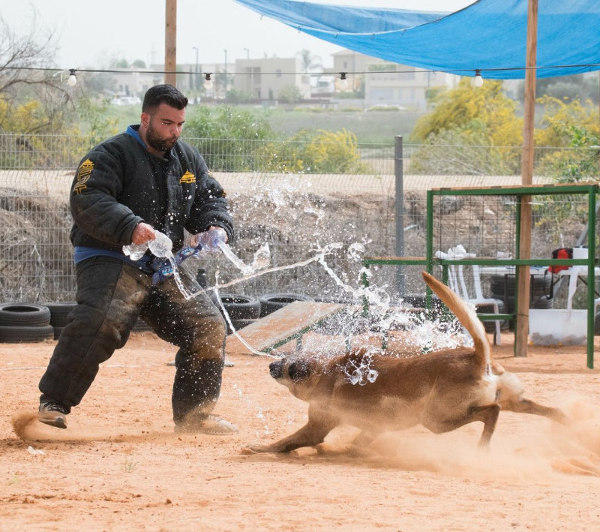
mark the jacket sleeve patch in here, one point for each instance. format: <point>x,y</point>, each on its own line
<point>83,175</point>
<point>188,177</point>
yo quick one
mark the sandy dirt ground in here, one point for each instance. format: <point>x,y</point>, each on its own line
<point>120,466</point>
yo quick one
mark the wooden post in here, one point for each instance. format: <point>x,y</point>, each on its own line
<point>171,42</point>
<point>523,285</point>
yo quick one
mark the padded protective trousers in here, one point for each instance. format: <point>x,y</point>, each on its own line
<point>110,297</point>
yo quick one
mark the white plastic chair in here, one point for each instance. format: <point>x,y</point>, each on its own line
<point>458,284</point>
<point>478,299</point>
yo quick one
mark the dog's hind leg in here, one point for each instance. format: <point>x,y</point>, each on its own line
<point>527,406</point>
<point>487,414</point>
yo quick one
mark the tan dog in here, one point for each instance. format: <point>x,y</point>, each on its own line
<point>442,390</point>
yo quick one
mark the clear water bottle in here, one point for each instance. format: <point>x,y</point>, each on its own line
<point>212,239</point>
<point>161,246</point>
<point>135,251</point>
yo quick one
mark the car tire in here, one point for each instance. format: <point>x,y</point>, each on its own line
<point>14,334</point>
<point>24,314</point>
<point>59,312</point>
<point>241,307</point>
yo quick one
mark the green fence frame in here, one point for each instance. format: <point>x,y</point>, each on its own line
<point>429,261</point>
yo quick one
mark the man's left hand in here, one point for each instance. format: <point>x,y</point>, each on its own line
<point>209,240</point>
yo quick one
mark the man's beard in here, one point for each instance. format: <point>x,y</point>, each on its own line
<point>158,143</point>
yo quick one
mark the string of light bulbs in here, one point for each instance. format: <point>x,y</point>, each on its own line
<point>478,77</point>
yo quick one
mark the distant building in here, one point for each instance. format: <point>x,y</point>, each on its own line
<point>266,78</point>
<point>386,83</point>
<point>191,81</point>
<point>375,81</point>
<point>133,82</point>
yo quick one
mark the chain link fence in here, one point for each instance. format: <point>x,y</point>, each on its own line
<point>295,213</point>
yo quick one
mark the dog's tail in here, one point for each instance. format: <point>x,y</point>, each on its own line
<point>467,316</point>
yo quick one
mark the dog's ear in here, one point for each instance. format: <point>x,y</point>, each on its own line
<point>298,370</point>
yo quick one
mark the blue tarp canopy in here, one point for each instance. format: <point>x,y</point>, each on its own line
<point>489,35</point>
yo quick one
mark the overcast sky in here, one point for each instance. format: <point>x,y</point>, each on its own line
<point>90,34</point>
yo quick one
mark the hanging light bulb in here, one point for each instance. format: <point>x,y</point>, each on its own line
<point>208,83</point>
<point>477,80</point>
<point>343,81</point>
<point>72,81</point>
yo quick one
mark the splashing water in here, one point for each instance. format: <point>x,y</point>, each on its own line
<point>427,335</point>
<point>361,373</point>
<point>262,257</point>
<point>233,329</point>
<point>423,334</point>
<point>235,260</point>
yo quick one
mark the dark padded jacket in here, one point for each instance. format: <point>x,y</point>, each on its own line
<point>119,184</point>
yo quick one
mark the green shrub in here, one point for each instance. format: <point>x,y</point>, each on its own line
<point>228,137</point>
<point>319,152</point>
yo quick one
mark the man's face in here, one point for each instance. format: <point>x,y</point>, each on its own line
<point>163,127</point>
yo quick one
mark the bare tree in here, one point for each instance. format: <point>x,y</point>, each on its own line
<point>26,60</point>
<point>27,73</point>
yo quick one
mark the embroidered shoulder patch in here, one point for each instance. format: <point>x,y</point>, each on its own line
<point>83,174</point>
<point>188,177</point>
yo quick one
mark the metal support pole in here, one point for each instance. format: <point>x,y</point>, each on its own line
<point>591,276</point>
<point>399,173</point>
<point>429,245</point>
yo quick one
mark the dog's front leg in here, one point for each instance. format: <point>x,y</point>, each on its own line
<point>307,436</point>
<point>314,432</point>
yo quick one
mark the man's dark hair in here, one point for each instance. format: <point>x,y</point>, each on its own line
<point>163,94</point>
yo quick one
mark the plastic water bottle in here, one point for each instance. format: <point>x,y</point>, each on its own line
<point>161,246</point>
<point>135,251</point>
<point>212,239</point>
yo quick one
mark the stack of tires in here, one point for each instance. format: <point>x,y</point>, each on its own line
<point>24,322</point>
<point>269,303</point>
<point>59,315</point>
<point>242,310</point>
<point>503,287</point>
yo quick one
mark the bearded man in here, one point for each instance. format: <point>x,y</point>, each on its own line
<point>125,190</point>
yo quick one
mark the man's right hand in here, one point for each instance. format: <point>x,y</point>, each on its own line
<point>142,234</point>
